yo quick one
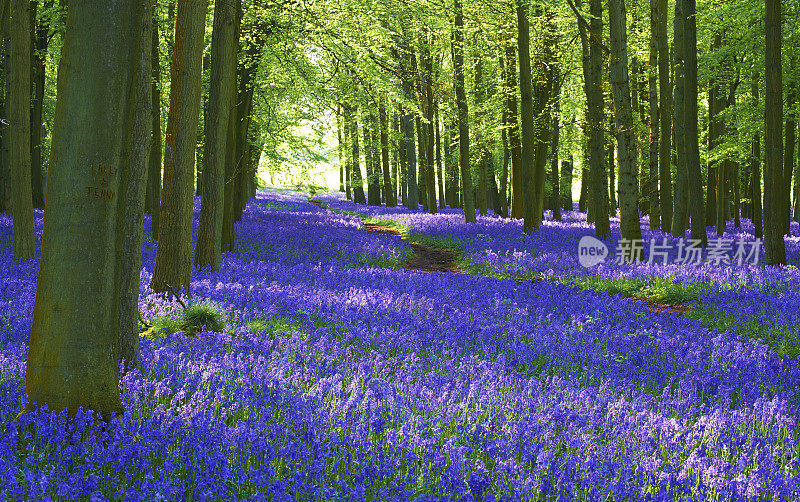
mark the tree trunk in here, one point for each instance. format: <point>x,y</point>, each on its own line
<point>422,152</point>
<point>153,191</point>
<point>528,127</point>
<point>439,168</point>
<point>358,181</point>
<point>427,94</point>
<point>612,172</point>
<point>796,211</point>
<point>19,118</point>
<point>130,213</point>
<point>596,119</point>
<point>544,85</point>
<point>5,133</point>
<point>463,124</point>
<point>411,195</point>
<point>224,44</point>
<point>346,153</point>
<point>567,167</point>
<point>340,148</point>
<point>655,133</point>
<point>555,198</point>
<point>630,227</point>
<point>638,101</point>
<point>665,107</point>
<point>388,190</point>
<point>401,154</point>
<point>515,146</point>
<point>245,112</point>
<point>100,139</point>
<point>395,124</point>
<point>39,42</point>
<point>480,139</point>
<point>788,151</point>
<point>773,139</point>
<point>736,196</point>
<point>680,210</point>
<point>694,185</point>
<point>506,159</point>
<point>174,253</point>
<point>228,210</point>
<point>755,170</point>
<point>373,169</point>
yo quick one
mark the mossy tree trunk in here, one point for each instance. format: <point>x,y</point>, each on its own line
<point>463,113</point>
<point>694,185</point>
<point>630,227</point>
<point>172,268</point>
<point>774,180</point>
<point>19,118</point>
<point>100,141</point>
<point>224,46</point>
<point>153,191</point>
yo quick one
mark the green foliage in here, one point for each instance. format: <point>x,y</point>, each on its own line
<point>198,317</point>
<point>191,320</point>
<point>652,288</point>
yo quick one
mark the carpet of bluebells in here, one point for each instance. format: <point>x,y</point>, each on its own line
<point>342,376</point>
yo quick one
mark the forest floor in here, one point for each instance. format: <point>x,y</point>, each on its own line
<point>385,354</point>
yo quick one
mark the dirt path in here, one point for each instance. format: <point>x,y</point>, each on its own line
<point>426,258</point>
<point>659,308</point>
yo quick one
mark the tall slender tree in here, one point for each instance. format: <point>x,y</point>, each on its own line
<point>463,113</point>
<point>20,123</point>
<point>208,251</point>
<point>774,244</point>
<point>654,204</point>
<point>626,142</point>
<point>152,202</point>
<point>602,225</point>
<point>528,114</point>
<point>680,208</point>
<point>665,113</point>
<point>694,184</point>
<point>172,269</point>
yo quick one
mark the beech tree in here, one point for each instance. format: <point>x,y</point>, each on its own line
<point>463,113</point>
<point>100,142</point>
<point>628,187</point>
<point>19,127</point>
<point>220,102</point>
<point>172,268</point>
<point>774,180</point>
